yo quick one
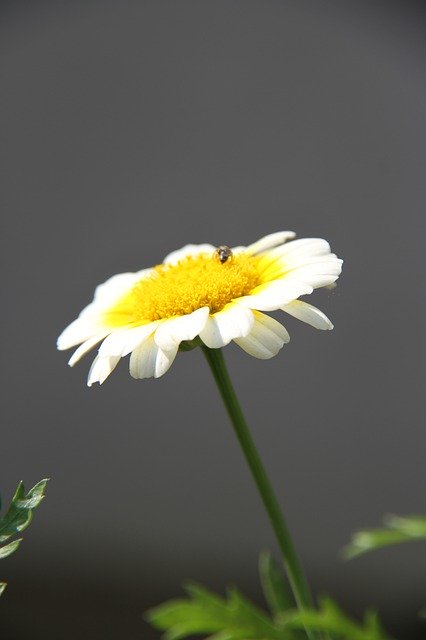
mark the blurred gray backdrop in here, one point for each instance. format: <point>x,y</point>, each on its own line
<point>129,129</point>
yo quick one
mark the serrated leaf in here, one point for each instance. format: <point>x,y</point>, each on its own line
<point>205,613</point>
<point>274,585</point>
<point>331,619</point>
<point>258,623</point>
<point>396,531</point>
<point>18,517</point>
<point>19,514</point>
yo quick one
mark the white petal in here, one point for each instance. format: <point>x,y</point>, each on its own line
<point>310,262</point>
<point>233,321</point>
<point>309,314</point>
<point>299,260</point>
<point>122,342</point>
<point>188,250</point>
<point>172,332</point>
<point>85,347</point>
<point>101,368</point>
<point>265,339</point>
<point>269,241</point>
<point>303,247</point>
<point>317,274</point>
<point>91,320</point>
<point>275,294</point>
<point>149,361</point>
<point>79,331</point>
<point>239,249</point>
<point>110,292</point>
<point>116,286</point>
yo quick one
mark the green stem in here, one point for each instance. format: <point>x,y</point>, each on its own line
<point>294,570</point>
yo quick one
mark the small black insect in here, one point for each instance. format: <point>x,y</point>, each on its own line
<point>223,253</point>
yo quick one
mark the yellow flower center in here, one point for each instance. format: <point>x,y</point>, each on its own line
<point>179,289</point>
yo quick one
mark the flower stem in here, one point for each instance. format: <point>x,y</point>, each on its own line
<point>294,570</point>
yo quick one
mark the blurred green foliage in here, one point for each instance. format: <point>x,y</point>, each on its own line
<point>204,613</point>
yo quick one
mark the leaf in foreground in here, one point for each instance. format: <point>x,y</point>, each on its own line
<point>331,619</point>
<point>205,613</point>
<point>18,517</point>
<point>236,618</point>
<point>396,531</point>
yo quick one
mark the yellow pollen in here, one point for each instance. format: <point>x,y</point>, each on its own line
<point>194,282</point>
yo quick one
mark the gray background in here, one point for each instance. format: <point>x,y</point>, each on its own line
<point>128,130</point>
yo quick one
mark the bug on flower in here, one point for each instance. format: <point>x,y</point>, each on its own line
<point>223,253</point>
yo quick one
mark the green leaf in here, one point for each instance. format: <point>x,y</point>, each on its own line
<point>19,514</point>
<point>276,589</point>
<point>18,517</point>
<point>396,531</point>
<point>412,526</point>
<point>8,549</point>
<point>205,613</point>
<point>331,619</point>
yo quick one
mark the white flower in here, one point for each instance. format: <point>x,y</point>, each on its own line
<point>217,294</point>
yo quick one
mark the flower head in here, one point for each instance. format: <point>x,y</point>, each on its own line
<point>217,294</point>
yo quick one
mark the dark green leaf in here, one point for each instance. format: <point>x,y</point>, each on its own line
<point>19,514</point>
<point>18,517</point>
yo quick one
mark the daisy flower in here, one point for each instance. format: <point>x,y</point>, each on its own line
<point>213,294</point>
